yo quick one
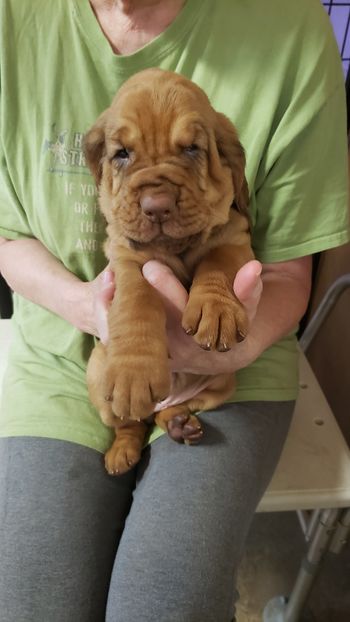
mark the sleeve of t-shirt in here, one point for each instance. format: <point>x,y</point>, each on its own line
<point>301,198</point>
<point>13,220</point>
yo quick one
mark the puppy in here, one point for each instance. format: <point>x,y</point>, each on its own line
<point>170,173</point>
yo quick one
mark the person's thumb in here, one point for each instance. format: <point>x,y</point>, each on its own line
<point>164,280</point>
<point>248,286</point>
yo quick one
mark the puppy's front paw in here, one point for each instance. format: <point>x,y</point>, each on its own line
<point>216,321</point>
<point>133,387</point>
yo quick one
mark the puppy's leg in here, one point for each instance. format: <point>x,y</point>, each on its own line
<point>180,422</point>
<point>137,373</point>
<point>126,449</point>
<point>213,315</point>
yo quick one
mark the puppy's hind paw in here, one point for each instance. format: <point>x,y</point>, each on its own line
<point>119,459</point>
<point>185,429</point>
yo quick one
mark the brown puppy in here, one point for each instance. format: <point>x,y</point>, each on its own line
<point>170,172</point>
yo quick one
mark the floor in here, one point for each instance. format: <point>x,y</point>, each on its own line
<point>273,554</point>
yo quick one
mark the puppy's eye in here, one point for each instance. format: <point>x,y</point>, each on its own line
<point>121,154</point>
<point>191,149</point>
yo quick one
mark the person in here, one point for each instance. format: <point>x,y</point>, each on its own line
<point>164,541</point>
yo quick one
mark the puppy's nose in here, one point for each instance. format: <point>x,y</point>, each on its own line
<point>158,207</point>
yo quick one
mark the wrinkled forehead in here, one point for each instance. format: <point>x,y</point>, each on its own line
<point>161,114</point>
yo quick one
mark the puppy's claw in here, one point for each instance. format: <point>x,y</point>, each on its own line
<point>223,347</point>
<point>240,335</point>
<point>205,346</point>
<point>194,439</point>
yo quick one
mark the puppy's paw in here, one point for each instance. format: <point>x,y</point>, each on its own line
<point>133,387</point>
<point>216,321</point>
<point>122,457</point>
<point>185,429</point>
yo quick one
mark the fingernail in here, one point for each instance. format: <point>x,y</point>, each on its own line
<point>152,271</point>
<point>258,270</point>
<point>107,277</point>
<point>148,272</point>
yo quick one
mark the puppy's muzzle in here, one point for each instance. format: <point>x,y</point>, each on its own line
<point>158,205</point>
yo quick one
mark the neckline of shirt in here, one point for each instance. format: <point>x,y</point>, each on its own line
<point>151,53</point>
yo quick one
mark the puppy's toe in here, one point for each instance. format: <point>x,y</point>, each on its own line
<point>242,323</point>
<point>191,317</point>
<point>185,429</point>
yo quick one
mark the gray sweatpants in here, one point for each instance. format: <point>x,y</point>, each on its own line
<point>160,544</point>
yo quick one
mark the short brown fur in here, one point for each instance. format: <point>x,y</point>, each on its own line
<point>170,172</point>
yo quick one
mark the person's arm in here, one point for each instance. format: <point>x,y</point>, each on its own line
<point>273,313</point>
<point>34,273</point>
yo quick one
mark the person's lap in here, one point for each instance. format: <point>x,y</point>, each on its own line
<point>61,518</point>
<point>186,511</point>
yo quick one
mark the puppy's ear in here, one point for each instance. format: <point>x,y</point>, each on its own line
<point>94,147</point>
<point>232,151</point>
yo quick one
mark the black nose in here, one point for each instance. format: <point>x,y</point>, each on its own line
<point>158,207</point>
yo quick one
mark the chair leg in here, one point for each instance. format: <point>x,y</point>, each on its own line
<point>342,533</point>
<point>281,609</point>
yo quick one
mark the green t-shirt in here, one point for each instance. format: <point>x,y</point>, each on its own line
<point>272,67</point>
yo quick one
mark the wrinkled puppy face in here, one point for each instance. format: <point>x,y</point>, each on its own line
<point>168,166</point>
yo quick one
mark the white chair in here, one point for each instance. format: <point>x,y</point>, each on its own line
<point>312,477</point>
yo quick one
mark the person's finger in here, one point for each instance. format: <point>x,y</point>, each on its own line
<point>107,277</point>
<point>248,284</point>
<point>106,294</point>
<point>103,299</point>
<point>164,280</point>
<point>101,315</point>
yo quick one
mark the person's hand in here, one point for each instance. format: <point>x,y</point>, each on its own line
<point>185,354</point>
<point>102,290</point>
<point>248,287</point>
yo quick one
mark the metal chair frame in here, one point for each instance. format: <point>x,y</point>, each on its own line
<point>325,529</point>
